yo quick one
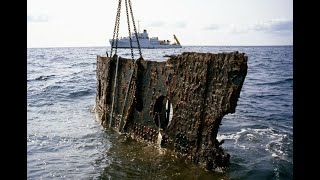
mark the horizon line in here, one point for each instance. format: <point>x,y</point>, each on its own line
<point>182,46</point>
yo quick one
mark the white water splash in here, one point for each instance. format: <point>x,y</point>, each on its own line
<point>272,140</point>
<point>159,139</point>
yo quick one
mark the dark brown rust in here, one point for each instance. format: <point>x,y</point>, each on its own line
<point>200,88</point>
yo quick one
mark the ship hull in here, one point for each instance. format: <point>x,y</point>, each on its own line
<point>144,44</point>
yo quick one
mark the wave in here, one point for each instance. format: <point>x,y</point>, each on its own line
<point>58,58</point>
<point>41,78</point>
<point>273,83</point>
<point>80,93</point>
<point>273,141</point>
<point>83,64</point>
<point>40,56</point>
<point>51,88</point>
<point>267,58</point>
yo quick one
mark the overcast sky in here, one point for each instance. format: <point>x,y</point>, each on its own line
<point>84,23</point>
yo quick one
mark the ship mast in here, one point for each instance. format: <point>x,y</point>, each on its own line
<point>138,26</point>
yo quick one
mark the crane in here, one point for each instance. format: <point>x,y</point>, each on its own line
<point>174,36</point>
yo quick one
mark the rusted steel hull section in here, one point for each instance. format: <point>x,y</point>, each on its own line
<point>185,98</point>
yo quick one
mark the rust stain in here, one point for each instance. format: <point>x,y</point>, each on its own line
<point>197,88</point>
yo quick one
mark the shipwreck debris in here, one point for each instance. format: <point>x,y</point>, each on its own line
<point>180,102</point>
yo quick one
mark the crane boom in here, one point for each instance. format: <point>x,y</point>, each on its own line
<point>174,36</point>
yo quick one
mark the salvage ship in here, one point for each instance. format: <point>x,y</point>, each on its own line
<point>145,42</point>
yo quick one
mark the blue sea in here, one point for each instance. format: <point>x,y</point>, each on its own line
<point>65,141</point>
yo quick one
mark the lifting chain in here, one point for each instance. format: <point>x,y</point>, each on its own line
<point>128,21</point>
<point>115,39</point>
<point>135,29</point>
<point>116,29</point>
<point>115,35</point>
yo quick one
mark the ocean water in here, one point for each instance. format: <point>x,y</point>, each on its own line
<point>65,141</point>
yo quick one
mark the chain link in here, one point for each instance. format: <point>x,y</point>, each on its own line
<point>116,28</point>
<point>128,21</point>
<point>135,29</point>
<point>115,36</point>
<point>116,33</point>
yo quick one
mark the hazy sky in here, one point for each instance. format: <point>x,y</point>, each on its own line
<point>73,23</point>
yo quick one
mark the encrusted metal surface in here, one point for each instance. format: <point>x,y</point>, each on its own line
<point>197,89</point>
